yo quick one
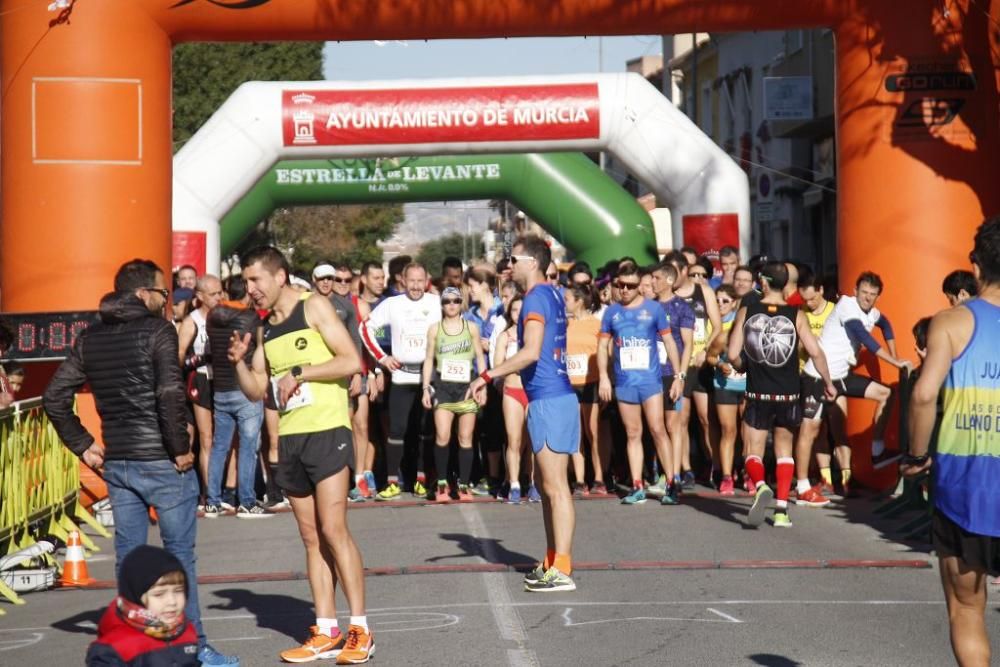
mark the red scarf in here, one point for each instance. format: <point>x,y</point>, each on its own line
<point>138,617</point>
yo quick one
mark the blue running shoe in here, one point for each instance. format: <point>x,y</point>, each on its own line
<point>209,656</point>
<point>370,481</point>
<point>637,497</point>
<point>514,497</point>
<point>533,495</point>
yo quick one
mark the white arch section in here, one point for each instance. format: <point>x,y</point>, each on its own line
<point>623,114</point>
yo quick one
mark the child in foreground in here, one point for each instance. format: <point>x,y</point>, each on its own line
<point>145,625</point>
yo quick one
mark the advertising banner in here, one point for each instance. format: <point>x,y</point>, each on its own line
<point>420,115</point>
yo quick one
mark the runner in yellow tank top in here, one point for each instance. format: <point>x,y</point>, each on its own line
<point>307,355</point>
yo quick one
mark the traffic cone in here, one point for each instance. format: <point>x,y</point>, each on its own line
<point>75,566</point>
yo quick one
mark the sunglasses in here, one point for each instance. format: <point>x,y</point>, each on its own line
<point>697,274</point>
<point>725,301</point>
<point>343,281</point>
<point>324,278</point>
<point>514,259</point>
<point>624,285</point>
<point>162,291</point>
<point>552,276</point>
<point>451,302</point>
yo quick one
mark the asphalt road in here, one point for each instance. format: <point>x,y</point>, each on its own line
<point>691,585</point>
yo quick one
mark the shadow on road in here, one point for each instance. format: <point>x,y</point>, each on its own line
<point>490,549</point>
<point>281,613</point>
<point>84,623</point>
<point>771,660</point>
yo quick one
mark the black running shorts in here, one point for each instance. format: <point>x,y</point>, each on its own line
<point>306,459</point>
<point>762,415</point>
<point>980,552</point>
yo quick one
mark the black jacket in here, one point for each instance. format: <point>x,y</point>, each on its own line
<point>221,322</point>
<point>130,361</point>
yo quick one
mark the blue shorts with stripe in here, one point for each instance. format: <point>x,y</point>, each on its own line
<point>555,423</point>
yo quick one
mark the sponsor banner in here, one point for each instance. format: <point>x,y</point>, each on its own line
<point>189,248</point>
<point>929,95</point>
<point>440,115</point>
<point>707,233</point>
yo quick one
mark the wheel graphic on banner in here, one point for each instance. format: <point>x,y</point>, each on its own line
<point>770,340</point>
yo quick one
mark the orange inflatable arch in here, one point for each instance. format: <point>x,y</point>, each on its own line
<point>86,134</point>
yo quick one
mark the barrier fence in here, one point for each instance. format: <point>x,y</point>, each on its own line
<point>39,485</point>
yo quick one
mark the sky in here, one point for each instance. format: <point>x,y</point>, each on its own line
<point>358,61</point>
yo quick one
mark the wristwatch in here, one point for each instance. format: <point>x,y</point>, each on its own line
<point>297,373</point>
<point>682,375</point>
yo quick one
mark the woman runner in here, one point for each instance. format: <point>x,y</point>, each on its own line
<point>582,333</point>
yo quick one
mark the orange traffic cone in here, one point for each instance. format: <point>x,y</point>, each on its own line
<point>75,566</point>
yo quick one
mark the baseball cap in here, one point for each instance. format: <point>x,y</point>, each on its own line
<point>451,291</point>
<point>323,271</point>
<point>182,294</point>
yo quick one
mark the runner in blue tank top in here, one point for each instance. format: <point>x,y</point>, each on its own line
<point>630,331</point>
<point>963,365</point>
<point>553,409</point>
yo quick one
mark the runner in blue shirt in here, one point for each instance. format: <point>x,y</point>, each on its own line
<point>553,409</point>
<point>630,331</point>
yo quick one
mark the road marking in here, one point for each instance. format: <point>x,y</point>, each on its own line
<point>729,618</point>
<point>568,621</point>
<point>21,643</point>
<point>505,614</point>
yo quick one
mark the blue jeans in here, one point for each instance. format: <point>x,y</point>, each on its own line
<point>134,487</point>
<point>233,410</point>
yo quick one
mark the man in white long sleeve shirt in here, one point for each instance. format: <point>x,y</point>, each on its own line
<point>408,317</point>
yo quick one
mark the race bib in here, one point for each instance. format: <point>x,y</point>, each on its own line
<point>699,330</point>
<point>456,370</point>
<point>634,358</point>
<point>302,397</point>
<point>661,350</point>
<point>576,365</point>
<point>417,341</point>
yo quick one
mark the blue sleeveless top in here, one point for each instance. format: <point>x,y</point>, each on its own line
<point>967,464</point>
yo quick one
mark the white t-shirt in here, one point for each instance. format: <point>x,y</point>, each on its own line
<point>408,322</point>
<point>841,353</point>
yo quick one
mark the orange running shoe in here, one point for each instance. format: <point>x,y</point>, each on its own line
<point>317,647</point>
<point>812,498</point>
<point>363,490</point>
<point>360,646</point>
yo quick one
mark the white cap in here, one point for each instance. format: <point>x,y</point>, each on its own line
<point>323,271</point>
<point>299,282</point>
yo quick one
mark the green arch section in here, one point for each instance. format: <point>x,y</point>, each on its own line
<point>566,193</point>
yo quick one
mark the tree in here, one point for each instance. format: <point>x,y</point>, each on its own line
<point>432,253</point>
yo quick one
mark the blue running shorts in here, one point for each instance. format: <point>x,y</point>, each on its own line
<point>639,394</point>
<point>555,422</point>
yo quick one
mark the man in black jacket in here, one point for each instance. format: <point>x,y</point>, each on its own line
<point>129,360</point>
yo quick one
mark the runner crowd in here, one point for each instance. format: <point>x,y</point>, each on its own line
<point>662,389</point>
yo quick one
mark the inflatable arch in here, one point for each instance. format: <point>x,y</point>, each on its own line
<point>263,122</point>
<point>566,193</point>
<point>85,160</point>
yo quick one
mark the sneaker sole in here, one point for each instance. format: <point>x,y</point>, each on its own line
<point>810,503</point>
<point>635,502</point>
<point>326,655</point>
<point>254,516</point>
<point>760,504</point>
<point>561,588</point>
<point>371,654</point>
<point>886,462</point>
<point>783,525</point>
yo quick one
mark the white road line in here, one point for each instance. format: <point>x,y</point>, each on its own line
<point>568,621</point>
<point>505,614</point>
<point>729,618</point>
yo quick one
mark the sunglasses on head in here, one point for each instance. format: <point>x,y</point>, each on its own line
<point>623,285</point>
<point>450,302</point>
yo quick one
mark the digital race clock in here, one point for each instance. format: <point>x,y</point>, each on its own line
<point>46,335</point>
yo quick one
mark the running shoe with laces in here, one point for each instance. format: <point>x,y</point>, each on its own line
<point>362,487</point>
<point>210,657</point>
<point>359,647</point>
<point>726,487</point>
<point>390,492</point>
<point>812,498</point>
<point>277,504</point>
<point>317,647</point>
<point>637,497</point>
<point>535,575</point>
<point>658,489</point>
<point>370,483</point>
<point>533,495</point>
<point>580,490</point>
<point>761,501</point>
<point>443,494</point>
<point>781,520</point>
<point>212,511</point>
<point>598,489</point>
<point>419,490</point>
<point>689,479</point>
<point>464,494</point>
<point>553,581</point>
<point>674,491</point>
<point>669,498</point>
<point>354,496</point>
<point>483,488</point>
<point>514,497</point>
<point>255,511</point>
